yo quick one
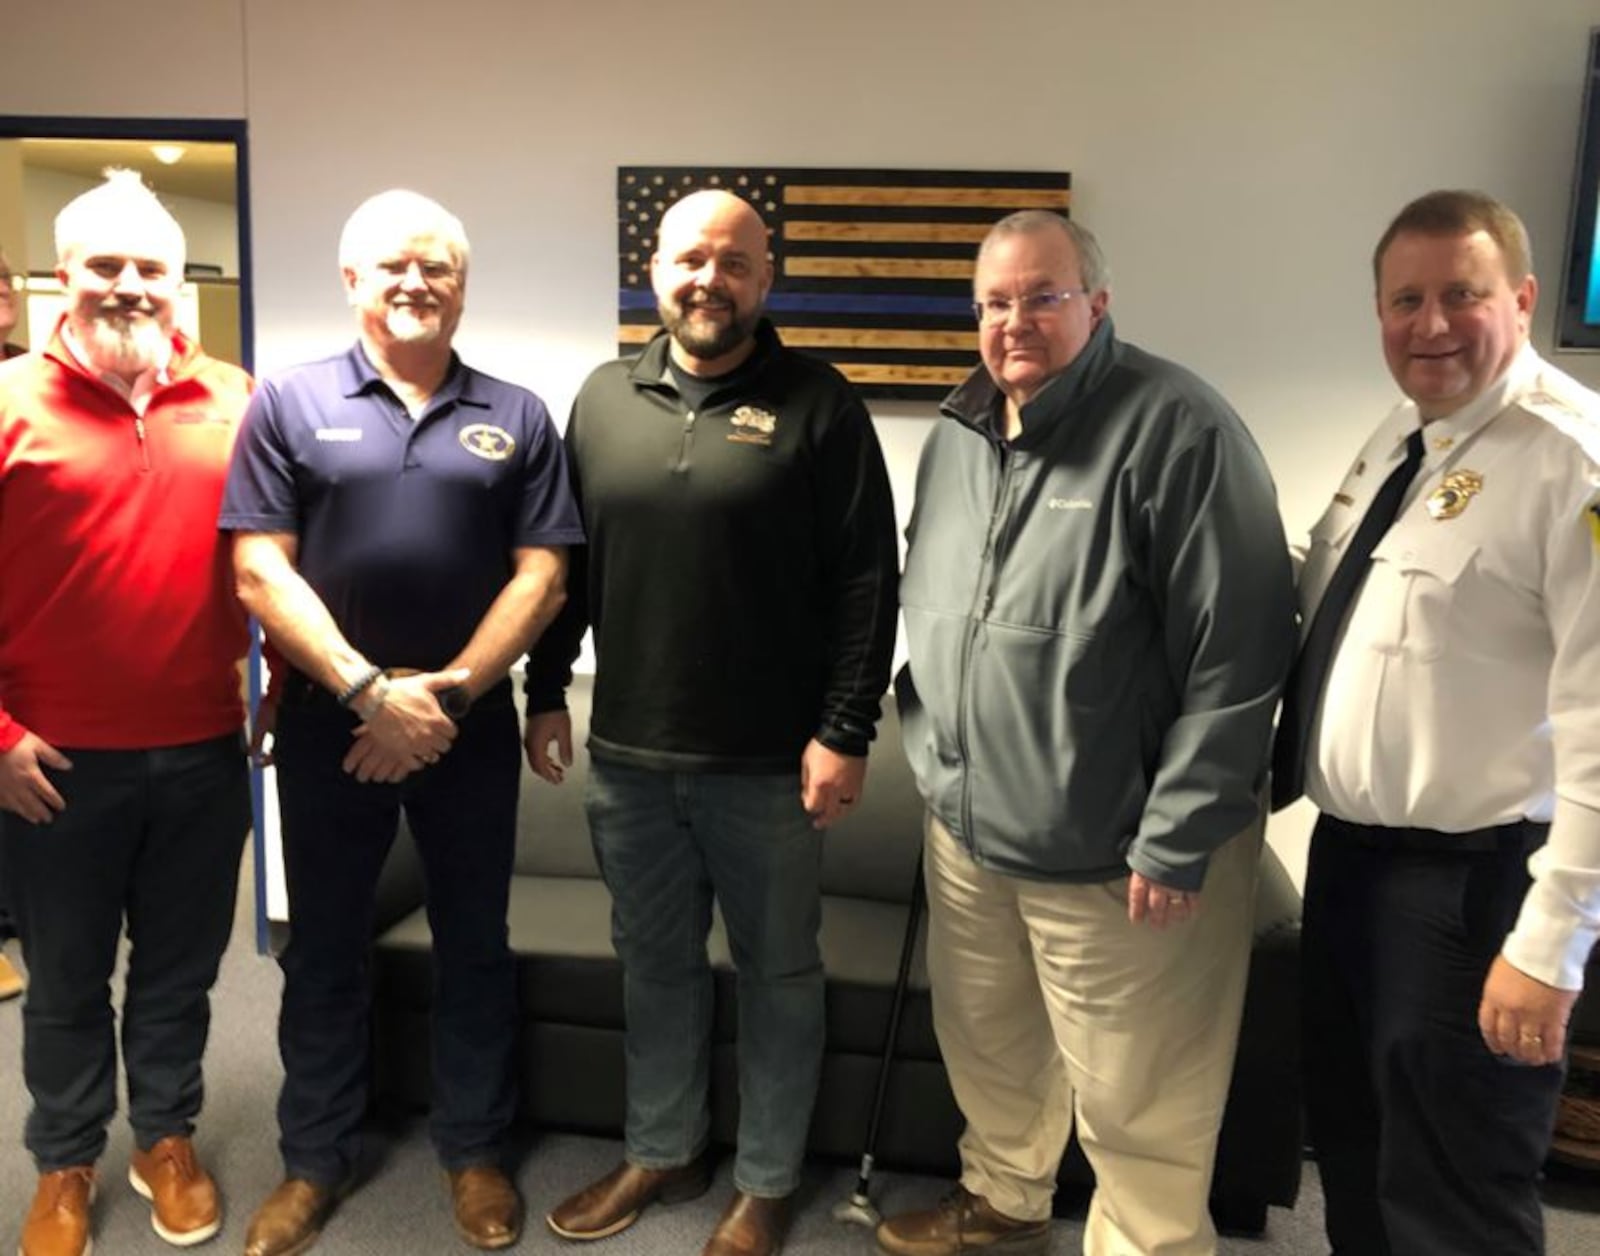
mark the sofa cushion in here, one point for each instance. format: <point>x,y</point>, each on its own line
<point>560,930</point>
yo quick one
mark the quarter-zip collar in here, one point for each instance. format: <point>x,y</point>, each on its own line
<point>65,348</point>
<point>650,369</point>
<point>977,401</point>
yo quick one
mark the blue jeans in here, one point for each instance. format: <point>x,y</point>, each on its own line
<point>666,843</point>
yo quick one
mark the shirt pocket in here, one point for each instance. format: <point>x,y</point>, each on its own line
<point>1418,582</point>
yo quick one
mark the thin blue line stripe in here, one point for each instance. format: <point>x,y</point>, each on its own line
<point>831,303</point>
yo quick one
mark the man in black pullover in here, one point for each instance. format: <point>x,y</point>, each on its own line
<point>740,581</point>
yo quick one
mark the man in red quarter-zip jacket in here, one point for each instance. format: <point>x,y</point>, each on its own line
<point>123,789</point>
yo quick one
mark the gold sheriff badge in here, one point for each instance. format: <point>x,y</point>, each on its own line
<point>1454,492</point>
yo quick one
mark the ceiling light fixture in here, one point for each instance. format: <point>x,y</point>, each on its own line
<point>167,154</point>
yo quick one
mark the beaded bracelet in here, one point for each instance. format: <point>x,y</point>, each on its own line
<point>359,685</point>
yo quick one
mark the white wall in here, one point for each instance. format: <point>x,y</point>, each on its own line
<point>106,59</point>
<point>1238,160</point>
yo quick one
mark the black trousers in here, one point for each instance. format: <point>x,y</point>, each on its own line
<point>337,832</point>
<point>152,837</point>
<point>1426,1142</point>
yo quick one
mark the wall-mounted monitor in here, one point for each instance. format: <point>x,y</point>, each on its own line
<point>1578,318</point>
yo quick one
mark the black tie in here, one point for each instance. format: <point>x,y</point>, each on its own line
<point>1303,694</point>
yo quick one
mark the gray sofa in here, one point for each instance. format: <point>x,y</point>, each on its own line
<point>570,1052</point>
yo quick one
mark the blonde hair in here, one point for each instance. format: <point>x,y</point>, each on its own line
<point>1454,212</point>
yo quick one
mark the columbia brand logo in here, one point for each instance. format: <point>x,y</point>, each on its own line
<point>1070,503</point>
<point>338,433</point>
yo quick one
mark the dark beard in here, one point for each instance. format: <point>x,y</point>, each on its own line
<point>707,343</point>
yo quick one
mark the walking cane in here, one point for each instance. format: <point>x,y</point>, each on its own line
<point>858,1209</point>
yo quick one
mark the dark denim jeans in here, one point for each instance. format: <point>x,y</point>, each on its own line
<point>336,834</point>
<point>153,837</point>
<point>667,844</point>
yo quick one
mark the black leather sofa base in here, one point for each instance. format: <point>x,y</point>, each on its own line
<point>570,1056</point>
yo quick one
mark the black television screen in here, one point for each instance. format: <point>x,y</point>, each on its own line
<point>1578,319</point>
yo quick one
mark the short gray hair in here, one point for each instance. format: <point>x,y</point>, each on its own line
<point>400,210</point>
<point>1092,268</point>
<point>123,196</point>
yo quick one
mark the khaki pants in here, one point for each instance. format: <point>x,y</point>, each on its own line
<point>1051,1008</point>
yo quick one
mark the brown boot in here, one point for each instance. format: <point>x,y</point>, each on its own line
<point>963,1222</point>
<point>58,1222</point>
<point>753,1225</point>
<point>290,1220</point>
<point>612,1204</point>
<point>487,1209</point>
<point>184,1207</point>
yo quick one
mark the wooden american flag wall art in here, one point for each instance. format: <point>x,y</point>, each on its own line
<point>872,268</point>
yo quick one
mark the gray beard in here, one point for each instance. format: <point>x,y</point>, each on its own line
<point>117,347</point>
<point>406,327</point>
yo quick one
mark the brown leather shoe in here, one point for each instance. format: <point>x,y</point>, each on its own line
<point>11,983</point>
<point>612,1204</point>
<point>753,1225</point>
<point>184,1207</point>
<point>963,1222</point>
<point>488,1211</point>
<point>58,1221</point>
<point>290,1220</point>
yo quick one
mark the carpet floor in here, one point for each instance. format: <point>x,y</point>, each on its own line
<point>402,1205</point>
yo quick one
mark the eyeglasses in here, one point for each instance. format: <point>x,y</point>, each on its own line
<point>8,280</point>
<point>1034,305</point>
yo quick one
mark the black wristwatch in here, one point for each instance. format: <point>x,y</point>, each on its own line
<point>455,702</point>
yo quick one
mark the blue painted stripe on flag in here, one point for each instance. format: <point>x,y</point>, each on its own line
<point>832,303</point>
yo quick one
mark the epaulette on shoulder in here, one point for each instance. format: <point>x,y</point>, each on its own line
<point>1569,407</point>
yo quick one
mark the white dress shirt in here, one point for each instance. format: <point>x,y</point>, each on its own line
<point>1465,688</point>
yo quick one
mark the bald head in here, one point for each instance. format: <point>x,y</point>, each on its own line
<point>712,210</point>
<point>711,273</point>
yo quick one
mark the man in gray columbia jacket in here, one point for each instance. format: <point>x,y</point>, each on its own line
<point>1100,613</point>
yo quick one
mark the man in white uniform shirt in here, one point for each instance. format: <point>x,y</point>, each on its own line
<point>1454,733</point>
